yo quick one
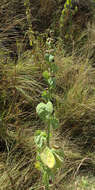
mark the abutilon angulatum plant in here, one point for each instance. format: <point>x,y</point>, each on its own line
<point>48,159</point>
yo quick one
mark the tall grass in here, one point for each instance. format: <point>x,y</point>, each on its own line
<point>78,101</point>
<point>20,91</point>
<point>21,85</point>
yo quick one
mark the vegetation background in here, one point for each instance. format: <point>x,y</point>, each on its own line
<point>25,28</point>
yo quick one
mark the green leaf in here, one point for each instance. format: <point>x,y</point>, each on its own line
<point>41,110</point>
<point>31,43</point>
<point>38,165</point>
<point>40,138</point>
<point>65,6</point>
<point>49,107</point>
<point>68,2</point>
<point>52,82</point>
<point>51,58</point>
<point>44,110</point>
<point>54,122</point>
<point>76,8</point>
<point>46,95</point>
<point>54,68</point>
<point>47,57</point>
<point>37,140</point>
<point>46,75</point>
<point>58,158</point>
<point>47,158</point>
<point>63,12</point>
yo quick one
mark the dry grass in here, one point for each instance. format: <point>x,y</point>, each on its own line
<point>21,85</point>
<point>17,169</point>
<point>75,95</point>
<point>20,91</point>
<point>77,79</point>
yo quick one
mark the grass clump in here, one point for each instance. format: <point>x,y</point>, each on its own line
<point>20,90</point>
<point>78,101</point>
<point>17,167</point>
<point>75,95</point>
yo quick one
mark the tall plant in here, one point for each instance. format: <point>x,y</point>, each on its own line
<point>48,159</point>
<point>28,16</point>
<point>69,10</point>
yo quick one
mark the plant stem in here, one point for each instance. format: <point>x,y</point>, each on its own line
<point>48,135</point>
<point>47,184</point>
<point>47,188</point>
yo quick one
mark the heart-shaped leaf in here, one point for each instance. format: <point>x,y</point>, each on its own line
<point>47,158</point>
<point>54,122</point>
<point>44,110</point>
<point>51,58</point>
<point>49,107</point>
<point>41,110</point>
<point>46,75</point>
